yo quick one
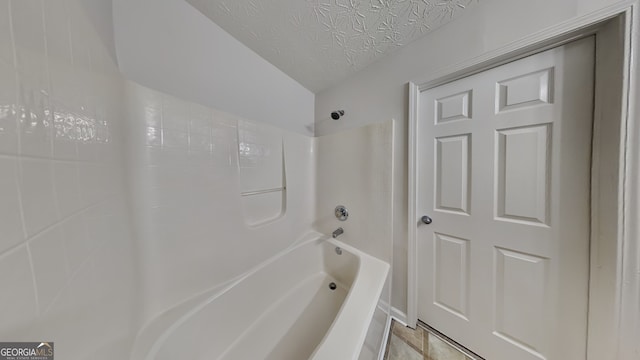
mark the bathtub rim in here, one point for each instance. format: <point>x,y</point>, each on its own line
<point>151,332</point>
<point>152,336</point>
<point>346,335</point>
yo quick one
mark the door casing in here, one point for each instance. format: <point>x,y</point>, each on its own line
<point>612,159</point>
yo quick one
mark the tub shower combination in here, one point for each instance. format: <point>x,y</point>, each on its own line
<point>314,300</point>
<point>147,217</point>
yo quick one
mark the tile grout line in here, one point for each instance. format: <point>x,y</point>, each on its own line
<point>33,280</point>
<point>408,342</point>
<point>56,160</point>
<point>28,239</point>
<point>72,276</point>
<point>18,164</point>
<point>469,355</point>
<point>427,331</point>
<point>403,339</point>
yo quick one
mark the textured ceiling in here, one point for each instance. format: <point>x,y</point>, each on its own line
<point>320,42</point>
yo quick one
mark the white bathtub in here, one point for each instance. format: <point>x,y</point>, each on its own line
<point>283,309</point>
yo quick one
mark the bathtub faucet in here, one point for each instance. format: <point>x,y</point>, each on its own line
<point>339,231</point>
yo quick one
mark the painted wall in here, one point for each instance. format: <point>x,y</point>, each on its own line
<point>189,166</point>
<point>170,46</point>
<point>66,254</point>
<point>380,92</point>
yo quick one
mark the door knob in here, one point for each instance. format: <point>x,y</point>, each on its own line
<point>426,219</point>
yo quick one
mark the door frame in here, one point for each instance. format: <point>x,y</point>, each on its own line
<point>614,278</point>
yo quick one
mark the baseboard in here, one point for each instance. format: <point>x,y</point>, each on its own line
<point>396,315</point>
<point>384,306</point>
<point>385,337</point>
<point>400,316</point>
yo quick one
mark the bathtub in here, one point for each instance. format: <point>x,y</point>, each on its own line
<point>313,301</point>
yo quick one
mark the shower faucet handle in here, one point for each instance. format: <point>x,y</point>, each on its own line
<point>341,213</point>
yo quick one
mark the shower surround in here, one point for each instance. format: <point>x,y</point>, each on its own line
<point>190,166</point>
<point>120,202</point>
<point>67,255</point>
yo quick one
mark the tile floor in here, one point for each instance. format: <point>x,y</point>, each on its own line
<point>407,344</point>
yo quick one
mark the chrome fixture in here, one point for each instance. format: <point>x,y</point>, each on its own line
<point>335,115</point>
<point>339,231</point>
<point>338,250</point>
<point>341,212</point>
<point>426,219</point>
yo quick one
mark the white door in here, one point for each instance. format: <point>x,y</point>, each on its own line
<point>504,173</point>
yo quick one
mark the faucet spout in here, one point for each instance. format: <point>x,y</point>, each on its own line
<point>339,231</point>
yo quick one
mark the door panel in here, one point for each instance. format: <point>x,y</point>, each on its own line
<point>525,90</point>
<point>520,304</point>
<point>504,169</point>
<point>453,155</point>
<point>523,174</point>
<point>454,107</point>
<point>451,273</point>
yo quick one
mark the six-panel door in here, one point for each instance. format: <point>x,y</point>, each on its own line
<point>504,172</point>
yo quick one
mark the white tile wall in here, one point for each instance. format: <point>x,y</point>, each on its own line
<point>49,265</point>
<point>261,162</point>
<point>66,246</point>
<point>66,258</point>
<point>261,168</point>
<point>36,190</point>
<point>66,185</point>
<point>30,52</point>
<point>77,243</point>
<point>10,214</point>
<point>188,169</point>
<point>6,41</point>
<point>19,305</point>
<point>8,92</point>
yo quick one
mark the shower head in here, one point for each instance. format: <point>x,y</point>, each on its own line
<point>335,115</point>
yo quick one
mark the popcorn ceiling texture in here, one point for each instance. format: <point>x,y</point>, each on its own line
<point>320,42</point>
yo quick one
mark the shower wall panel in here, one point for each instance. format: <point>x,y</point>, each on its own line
<point>191,169</point>
<point>66,257</point>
